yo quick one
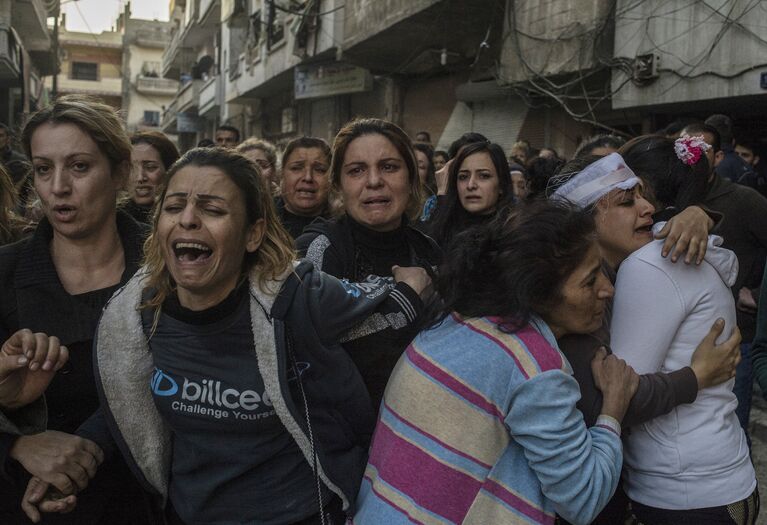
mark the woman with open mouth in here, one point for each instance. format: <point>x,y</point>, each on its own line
<point>478,187</point>
<point>56,282</point>
<point>693,464</point>
<point>617,197</point>
<point>152,155</point>
<point>221,375</point>
<point>304,184</point>
<point>375,171</point>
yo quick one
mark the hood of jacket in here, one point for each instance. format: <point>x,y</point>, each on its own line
<point>723,260</point>
<point>124,367</point>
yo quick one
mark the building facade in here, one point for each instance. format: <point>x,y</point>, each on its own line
<point>145,93</point>
<point>25,56</point>
<point>91,64</point>
<point>550,71</point>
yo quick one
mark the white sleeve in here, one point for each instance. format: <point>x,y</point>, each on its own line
<point>648,309</point>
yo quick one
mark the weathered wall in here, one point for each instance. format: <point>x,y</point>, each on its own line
<point>364,18</point>
<point>721,45</point>
<point>554,37</point>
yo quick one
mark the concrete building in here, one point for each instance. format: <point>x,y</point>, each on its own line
<point>692,60</point>
<point>91,64</point>
<point>278,71</point>
<point>551,71</point>
<point>25,56</point>
<point>585,67</point>
<point>145,93</point>
<point>192,58</point>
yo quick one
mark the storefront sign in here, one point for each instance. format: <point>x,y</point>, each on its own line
<point>331,79</point>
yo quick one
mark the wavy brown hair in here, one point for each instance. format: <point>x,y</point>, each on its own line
<point>274,256</point>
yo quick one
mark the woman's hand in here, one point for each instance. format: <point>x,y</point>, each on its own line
<point>440,176</point>
<point>65,461</point>
<point>28,363</point>
<point>40,497</point>
<point>413,276</point>
<point>712,363</point>
<point>746,301</point>
<point>687,232</point>
<point>617,381</point>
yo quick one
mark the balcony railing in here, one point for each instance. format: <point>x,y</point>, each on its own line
<point>189,96</point>
<point>209,95</point>
<point>171,53</point>
<point>169,117</point>
<point>156,86</point>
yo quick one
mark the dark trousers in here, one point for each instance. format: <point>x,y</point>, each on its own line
<point>742,512</point>
<point>334,515</point>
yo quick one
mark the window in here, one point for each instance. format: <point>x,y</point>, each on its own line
<point>85,71</point>
<point>151,69</point>
<point>152,118</point>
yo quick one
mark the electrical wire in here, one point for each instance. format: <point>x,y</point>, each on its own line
<point>299,13</point>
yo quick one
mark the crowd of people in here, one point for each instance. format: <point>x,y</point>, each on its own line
<point>377,332</point>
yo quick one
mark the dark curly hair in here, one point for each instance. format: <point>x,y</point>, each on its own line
<point>513,267</point>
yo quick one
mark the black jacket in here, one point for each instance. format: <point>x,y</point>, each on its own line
<point>298,321</point>
<point>335,253</point>
<point>33,297</point>
<point>331,245</point>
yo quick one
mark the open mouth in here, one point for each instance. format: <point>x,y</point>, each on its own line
<point>187,252</point>
<point>64,210</point>
<point>306,192</point>
<point>644,229</point>
<point>144,191</point>
<point>374,201</point>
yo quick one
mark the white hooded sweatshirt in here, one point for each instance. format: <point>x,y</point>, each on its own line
<point>696,456</point>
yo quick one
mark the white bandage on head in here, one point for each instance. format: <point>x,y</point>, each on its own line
<point>597,180</point>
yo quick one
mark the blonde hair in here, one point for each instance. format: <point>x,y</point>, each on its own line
<point>274,256</point>
<point>270,151</point>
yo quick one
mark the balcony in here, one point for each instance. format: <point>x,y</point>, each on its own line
<point>210,96</point>
<point>109,87</point>
<point>29,19</point>
<point>10,55</point>
<point>188,97</point>
<point>156,86</point>
<point>176,57</point>
<point>169,118</point>
<point>210,11</point>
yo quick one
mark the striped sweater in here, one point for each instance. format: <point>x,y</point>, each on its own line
<point>479,426</point>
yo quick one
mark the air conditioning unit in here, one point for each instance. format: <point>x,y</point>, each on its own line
<point>646,66</point>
